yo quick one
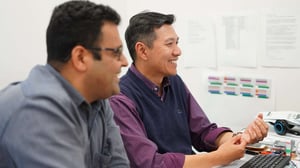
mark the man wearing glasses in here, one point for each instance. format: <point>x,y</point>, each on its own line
<point>60,116</point>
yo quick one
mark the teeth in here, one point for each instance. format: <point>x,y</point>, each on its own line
<point>174,62</point>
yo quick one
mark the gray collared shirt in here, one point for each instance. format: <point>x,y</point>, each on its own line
<point>45,122</point>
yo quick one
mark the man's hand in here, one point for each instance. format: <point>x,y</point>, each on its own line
<point>232,149</point>
<point>256,131</point>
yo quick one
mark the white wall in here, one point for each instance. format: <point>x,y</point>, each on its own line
<point>23,33</point>
<point>22,39</point>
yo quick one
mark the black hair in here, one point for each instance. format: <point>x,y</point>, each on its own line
<point>76,23</point>
<point>141,28</point>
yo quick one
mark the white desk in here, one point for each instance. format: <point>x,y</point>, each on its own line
<point>269,140</point>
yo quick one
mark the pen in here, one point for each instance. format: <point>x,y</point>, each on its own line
<point>250,152</point>
<point>265,152</point>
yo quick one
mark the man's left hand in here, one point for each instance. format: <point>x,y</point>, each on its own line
<point>256,131</point>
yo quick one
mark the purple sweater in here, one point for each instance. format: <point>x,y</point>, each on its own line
<point>157,136</point>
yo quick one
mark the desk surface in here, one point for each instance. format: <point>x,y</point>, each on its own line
<point>270,139</point>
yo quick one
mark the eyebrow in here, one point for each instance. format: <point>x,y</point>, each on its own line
<point>172,39</point>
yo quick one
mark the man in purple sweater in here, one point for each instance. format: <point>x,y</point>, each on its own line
<point>159,118</point>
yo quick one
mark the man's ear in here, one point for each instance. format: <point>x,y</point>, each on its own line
<point>141,50</point>
<point>79,58</point>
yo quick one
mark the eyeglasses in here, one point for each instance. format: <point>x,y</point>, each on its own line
<point>117,52</point>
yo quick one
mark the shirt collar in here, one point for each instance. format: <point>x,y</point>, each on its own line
<point>151,85</point>
<point>76,96</point>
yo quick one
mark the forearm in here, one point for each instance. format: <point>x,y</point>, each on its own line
<point>147,156</point>
<point>222,138</point>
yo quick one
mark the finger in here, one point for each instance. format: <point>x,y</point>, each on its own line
<point>252,134</point>
<point>258,128</point>
<point>243,142</point>
<point>262,123</point>
<point>236,139</point>
<point>263,127</point>
<point>246,137</point>
<point>260,115</point>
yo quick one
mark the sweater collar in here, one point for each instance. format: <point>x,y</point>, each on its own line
<point>151,85</point>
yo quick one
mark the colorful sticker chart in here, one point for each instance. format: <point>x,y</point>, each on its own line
<point>239,86</point>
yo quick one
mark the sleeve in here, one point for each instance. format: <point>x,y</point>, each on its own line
<point>141,151</point>
<point>203,132</point>
<point>40,135</point>
<point>117,150</point>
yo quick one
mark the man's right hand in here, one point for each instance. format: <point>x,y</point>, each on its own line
<point>232,149</point>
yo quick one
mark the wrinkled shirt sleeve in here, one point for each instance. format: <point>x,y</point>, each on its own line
<point>141,151</point>
<point>203,132</point>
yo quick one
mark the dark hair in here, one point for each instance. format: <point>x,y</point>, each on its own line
<point>76,23</point>
<point>141,28</point>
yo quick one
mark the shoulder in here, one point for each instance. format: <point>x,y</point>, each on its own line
<point>10,98</point>
<point>39,98</point>
<point>177,82</point>
<point>121,103</point>
<point>121,99</point>
<point>43,81</point>
<point>176,78</point>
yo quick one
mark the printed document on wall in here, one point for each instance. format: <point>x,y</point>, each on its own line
<point>281,38</point>
<point>197,41</point>
<point>237,38</point>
